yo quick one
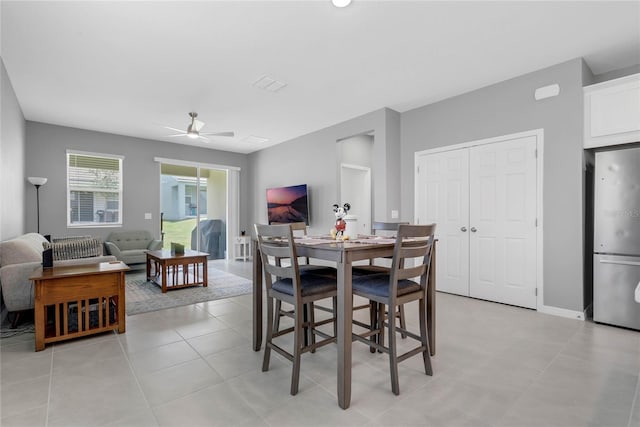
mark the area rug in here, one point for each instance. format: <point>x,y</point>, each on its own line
<point>143,296</point>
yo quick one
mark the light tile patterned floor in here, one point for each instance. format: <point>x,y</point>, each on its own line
<point>496,365</point>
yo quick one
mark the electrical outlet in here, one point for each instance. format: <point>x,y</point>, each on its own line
<point>394,214</point>
<point>147,215</point>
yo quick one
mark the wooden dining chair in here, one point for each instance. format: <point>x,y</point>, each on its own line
<point>285,283</point>
<point>305,268</point>
<point>399,286</point>
<point>372,268</point>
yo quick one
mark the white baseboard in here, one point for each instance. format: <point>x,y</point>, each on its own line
<point>562,312</point>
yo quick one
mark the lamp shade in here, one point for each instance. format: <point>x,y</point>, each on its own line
<point>37,180</point>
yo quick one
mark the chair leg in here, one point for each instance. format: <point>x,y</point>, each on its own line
<point>267,344</point>
<point>335,316</point>
<point>393,354</point>
<point>381,317</point>
<point>373,322</point>
<point>297,343</point>
<point>402,317</point>
<point>312,324</point>
<point>424,337</point>
<point>276,321</point>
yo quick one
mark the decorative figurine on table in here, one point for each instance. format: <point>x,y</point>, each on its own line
<point>340,212</point>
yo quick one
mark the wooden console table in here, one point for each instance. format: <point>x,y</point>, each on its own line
<point>77,301</point>
<point>172,271</point>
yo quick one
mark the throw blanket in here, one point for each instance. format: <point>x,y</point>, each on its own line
<point>74,247</point>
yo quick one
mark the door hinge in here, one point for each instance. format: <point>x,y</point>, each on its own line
<point>536,222</point>
<point>418,169</point>
<point>535,153</point>
<point>536,291</point>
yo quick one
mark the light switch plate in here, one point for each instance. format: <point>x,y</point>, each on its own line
<point>394,214</point>
<point>147,215</point>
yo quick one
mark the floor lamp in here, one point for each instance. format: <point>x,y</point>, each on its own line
<point>37,182</point>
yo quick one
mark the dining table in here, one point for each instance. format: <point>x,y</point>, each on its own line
<point>343,254</point>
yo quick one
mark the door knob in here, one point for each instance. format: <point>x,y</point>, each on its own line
<point>463,229</point>
<point>473,229</point>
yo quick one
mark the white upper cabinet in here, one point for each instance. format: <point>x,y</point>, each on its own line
<point>612,112</point>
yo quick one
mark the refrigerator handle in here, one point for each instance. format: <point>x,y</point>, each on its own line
<point>604,261</point>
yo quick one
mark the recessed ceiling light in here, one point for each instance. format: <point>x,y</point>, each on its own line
<point>341,3</point>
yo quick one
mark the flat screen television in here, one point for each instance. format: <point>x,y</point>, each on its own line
<point>288,204</point>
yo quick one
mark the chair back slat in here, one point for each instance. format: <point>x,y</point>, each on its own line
<point>275,230</point>
<point>414,251</point>
<point>276,249</point>
<point>385,226</point>
<point>408,273</point>
<point>299,226</point>
<point>279,271</point>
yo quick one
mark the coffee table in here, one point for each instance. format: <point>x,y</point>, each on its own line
<point>79,300</point>
<point>174,271</point>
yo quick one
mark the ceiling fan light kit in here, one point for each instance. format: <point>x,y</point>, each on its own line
<point>193,130</point>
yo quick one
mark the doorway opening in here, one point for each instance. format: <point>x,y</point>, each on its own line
<point>355,156</point>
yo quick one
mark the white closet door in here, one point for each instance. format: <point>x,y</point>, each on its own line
<point>443,198</point>
<point>503,222</point>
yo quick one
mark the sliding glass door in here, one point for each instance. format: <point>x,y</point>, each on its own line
<point>213,221</point>
<point>194,208</point>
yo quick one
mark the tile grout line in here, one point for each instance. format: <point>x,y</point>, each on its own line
<point>46,418</point>
<point>202,357</point>
<point>635,399</point>
<point>135,378</point>
<point>534,381</point>
<point>224,380</point>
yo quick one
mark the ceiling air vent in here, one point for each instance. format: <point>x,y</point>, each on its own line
<point>269,84</point>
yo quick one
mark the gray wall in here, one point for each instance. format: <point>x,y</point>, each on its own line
<point>13,183</point>
<point>509,107</point>
<point>313,160</point>
<point>394,167</point>
<point>46,156</point>
<point>356,150</point>
<point>616,74</point>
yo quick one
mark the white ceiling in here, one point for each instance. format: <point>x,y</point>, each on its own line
<point>131,67</point>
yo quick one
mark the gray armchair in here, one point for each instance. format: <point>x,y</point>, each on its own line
<point>130,247</point>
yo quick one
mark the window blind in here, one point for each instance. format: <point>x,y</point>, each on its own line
<point>95,189</point>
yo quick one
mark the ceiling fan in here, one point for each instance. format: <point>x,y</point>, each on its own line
<point>194,128</point>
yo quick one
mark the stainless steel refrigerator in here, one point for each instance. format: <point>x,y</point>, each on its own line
<point>616,268</point>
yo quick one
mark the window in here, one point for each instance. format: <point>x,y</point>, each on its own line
<point>94,184</point>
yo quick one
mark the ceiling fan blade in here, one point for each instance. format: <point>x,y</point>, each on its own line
<point>203,138</point>
<point>171,136</point>
<point>219,133</point>
<point>197,124</point>
<point>174,129</point>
